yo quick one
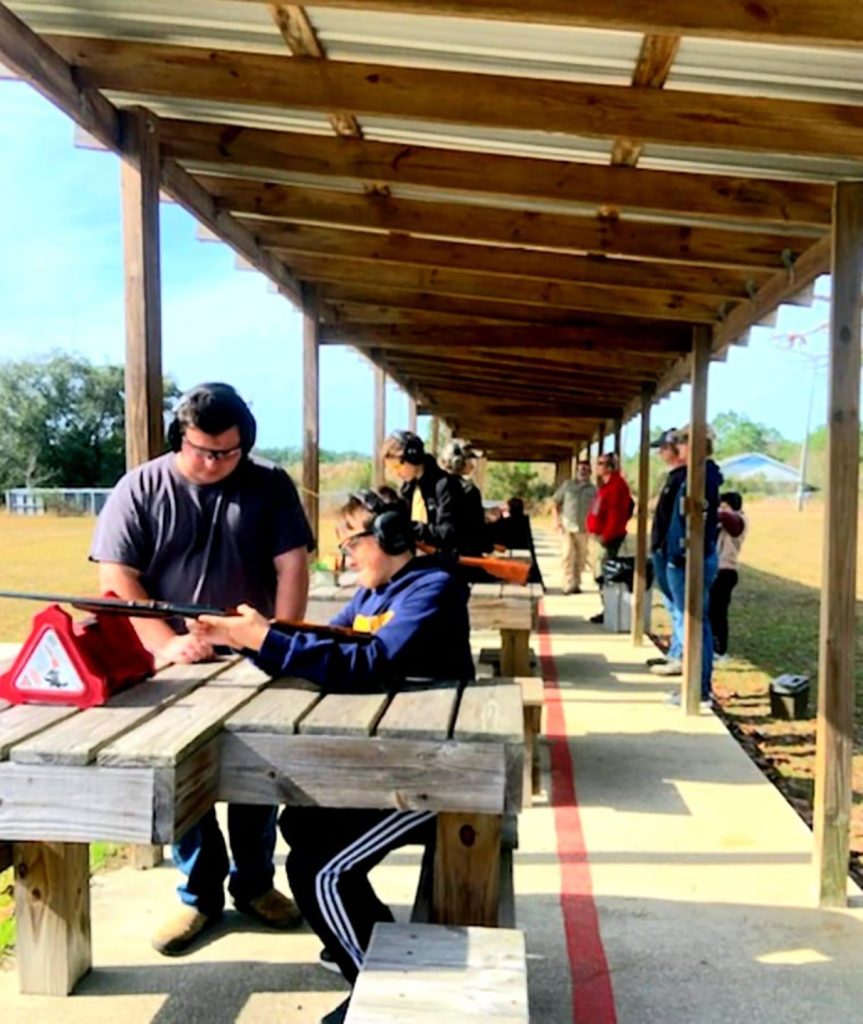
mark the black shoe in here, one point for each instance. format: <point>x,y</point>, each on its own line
<point>598,619</point>
<point>328,961</point>
<point>338,1015</point>
<point>662,660</point>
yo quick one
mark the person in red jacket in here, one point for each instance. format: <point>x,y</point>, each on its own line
<point>610,513</point>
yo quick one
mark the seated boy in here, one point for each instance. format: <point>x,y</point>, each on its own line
<point>417,610</point>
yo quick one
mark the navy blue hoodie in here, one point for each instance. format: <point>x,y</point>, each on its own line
<point>420,628</point>
<point>675,540</point>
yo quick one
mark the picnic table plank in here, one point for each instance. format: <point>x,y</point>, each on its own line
<point>278,708</point>
<point>420,714</point>
<point>21,721</point>
<point>345,714</point>
<point>78,738</point>
<point>420,974</point>
<point>490,711</point>
<point>72,804</point>
<point>186,724</point>
<point>361,771</point>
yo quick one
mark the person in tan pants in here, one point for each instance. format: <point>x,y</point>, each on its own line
<point>572,501</point>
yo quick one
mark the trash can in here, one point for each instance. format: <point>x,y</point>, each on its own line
<point>617,594</point>
<point>789,697</point>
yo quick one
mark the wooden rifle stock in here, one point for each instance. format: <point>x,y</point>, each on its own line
<point>509,570</point>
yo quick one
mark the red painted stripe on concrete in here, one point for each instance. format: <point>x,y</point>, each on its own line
<point>592,994</point>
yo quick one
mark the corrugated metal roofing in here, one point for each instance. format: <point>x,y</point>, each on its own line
<point>762,165</point>
<point>240,26</point>
<point>467,44</point>
<point>758,69</point>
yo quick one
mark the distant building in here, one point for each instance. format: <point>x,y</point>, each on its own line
<point>755,464</point>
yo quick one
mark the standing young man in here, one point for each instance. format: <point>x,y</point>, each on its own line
<point>573,501</point>
<point>435,499</point>
<point>416,609</point>
<point>207,523</point>
<point>612,510</point>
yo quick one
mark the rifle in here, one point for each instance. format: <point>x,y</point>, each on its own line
<point>168,610</point>
<point>509,570</point>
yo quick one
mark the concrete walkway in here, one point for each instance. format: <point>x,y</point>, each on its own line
<point>697,868</point>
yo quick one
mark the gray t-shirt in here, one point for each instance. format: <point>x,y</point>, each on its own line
<point>212,544</point>
<point>575,500</point>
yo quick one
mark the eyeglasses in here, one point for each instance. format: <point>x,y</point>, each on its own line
<point>349,543</point>
<point>212,454</point>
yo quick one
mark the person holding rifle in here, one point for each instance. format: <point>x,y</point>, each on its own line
<point>416,610</point>
<point>207,523</point>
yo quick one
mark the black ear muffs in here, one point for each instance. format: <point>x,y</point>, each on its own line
<point>413,450</point>
<point>391,526</point>
<point>245,421</point>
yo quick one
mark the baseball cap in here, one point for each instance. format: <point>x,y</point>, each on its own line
<point>667,437</point>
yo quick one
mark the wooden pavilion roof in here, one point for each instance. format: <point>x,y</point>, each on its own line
<point>519,210</point>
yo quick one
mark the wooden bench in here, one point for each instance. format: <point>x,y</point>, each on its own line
<point>533,700</point>
<point>415,974</point>
<point>491,656</point>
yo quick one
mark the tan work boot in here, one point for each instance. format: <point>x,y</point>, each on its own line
<point>273,909</point>
<point>179,932</point>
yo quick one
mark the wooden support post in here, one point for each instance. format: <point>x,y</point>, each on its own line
<point>562,472</point>
<point>380,426</point>
<point>311,407</point>
<point>515,652</point>
<point>52,907</point>
<point>467,869</point>
<point>618,430</point>
<point>480,471</point>
<point>435,435</point>
<point>412,414</point>
<point>600,438</point>
<point>140,177</point>
<point>835,725</point>
<point>640,582</point>
<point>695,477</point>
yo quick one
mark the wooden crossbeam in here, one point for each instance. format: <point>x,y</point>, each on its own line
<point>598,340</point>
<point>428,302</point>
<point>375,248</point>
<point>35,62</point>
<point>651,72</point>
<point>663,305</point>
<point>302,40</point>
<point>731,197</point>
<point>561,231</point>
<point>753,123</point>
<point>814,22</point>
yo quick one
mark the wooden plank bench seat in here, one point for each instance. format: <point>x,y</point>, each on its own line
<point>420,974</point>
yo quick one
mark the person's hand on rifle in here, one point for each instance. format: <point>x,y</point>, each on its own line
<point>184,649</point>
<point>244,631</point>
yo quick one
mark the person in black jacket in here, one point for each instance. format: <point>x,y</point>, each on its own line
<point>435,498</point>
<point>459,459</point>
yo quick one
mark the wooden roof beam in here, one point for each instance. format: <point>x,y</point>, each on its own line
<point>523,229</point>
<point>302,40</point>
<point>812,22</point>
<point>428,302</point>
<point>651,72</point>
<point>236,147</point>
<point>754,123</point>
<point>375,248</point>
<point>575,296</point>
<point>567,339</point>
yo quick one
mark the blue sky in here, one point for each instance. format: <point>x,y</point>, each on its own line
<point>61,287</point>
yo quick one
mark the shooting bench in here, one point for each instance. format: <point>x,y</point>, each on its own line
<point>145,766</point>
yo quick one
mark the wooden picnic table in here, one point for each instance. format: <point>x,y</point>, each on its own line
<point>493,606</point>
<point>145,767</point>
